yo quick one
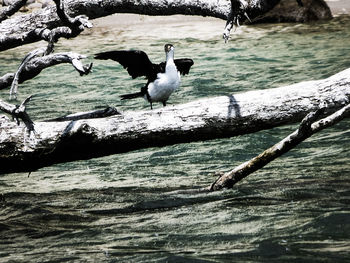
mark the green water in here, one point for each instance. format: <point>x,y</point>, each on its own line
<point>131,208</point>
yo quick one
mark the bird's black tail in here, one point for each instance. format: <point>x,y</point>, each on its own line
<point>132,95</point>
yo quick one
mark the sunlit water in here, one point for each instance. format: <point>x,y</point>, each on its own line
<point>131,207</point>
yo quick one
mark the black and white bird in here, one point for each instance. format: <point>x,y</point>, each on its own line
<point>163,78</point>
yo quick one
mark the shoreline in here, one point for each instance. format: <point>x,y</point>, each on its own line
<point>338,7</point>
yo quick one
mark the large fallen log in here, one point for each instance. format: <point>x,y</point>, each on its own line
<point>29,28</point>
<point>203,119</point>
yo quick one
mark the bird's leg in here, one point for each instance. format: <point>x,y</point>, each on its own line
<point>151,105</point>
<point>164,103</point>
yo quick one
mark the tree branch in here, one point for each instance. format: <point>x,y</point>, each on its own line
<point>18,112</point>
<point>28,28</point>
<point>27,58</point>
<point>234,12</point>
<point>204,119</point>
<point>32,67</point>
<point>11,10</point>
<point>42,25</point>
<point>307,127</point>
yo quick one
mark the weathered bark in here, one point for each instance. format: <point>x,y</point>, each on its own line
<point>203,119</point>
<point>37,64</point>
<point>25,29</point>
<point>308,127</point>
<point>48,24</point>
<point>11,9</point>
<point>35,61</point>
<point>18,112</point>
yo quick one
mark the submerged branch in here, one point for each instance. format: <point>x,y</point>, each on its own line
<point>307,128</point>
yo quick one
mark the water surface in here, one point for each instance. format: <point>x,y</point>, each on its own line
<point>132,207</point>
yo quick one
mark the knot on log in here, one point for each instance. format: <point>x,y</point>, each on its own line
<point>305,125</point>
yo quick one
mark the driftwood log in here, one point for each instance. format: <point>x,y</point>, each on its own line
<point>23,29</point>
<point>204,119</point>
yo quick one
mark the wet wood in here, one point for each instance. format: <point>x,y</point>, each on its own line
<point>204,119</point>
<point>307,128</point>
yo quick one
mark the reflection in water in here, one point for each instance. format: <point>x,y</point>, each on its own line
<point>147,205</point>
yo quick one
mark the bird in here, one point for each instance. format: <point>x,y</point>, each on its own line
<point>162,79</point>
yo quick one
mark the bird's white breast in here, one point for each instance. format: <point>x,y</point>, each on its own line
<point>165,84</point>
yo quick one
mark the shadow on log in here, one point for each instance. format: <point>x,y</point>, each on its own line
<point>204,119</point>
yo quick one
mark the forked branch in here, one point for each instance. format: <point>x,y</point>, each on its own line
<point>36,61</point>
<point>18,112</point>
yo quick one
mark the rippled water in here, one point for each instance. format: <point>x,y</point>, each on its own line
<point>132,207</point>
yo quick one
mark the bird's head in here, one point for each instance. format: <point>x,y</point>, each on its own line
<point>168,47</point>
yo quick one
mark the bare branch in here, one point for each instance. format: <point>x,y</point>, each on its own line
<point>32,25</point>
<point>12,9</point>
<point>43,25</point>
<point>32,67</point>
<point>78,23</point>
<point>307,127</point>
<point>18,112</point>
<point>27,58</point>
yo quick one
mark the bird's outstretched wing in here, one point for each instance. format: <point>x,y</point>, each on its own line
<point>136,62</point>
<point>183,65</point>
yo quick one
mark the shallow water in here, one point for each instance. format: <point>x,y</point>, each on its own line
<point>131,207</point>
